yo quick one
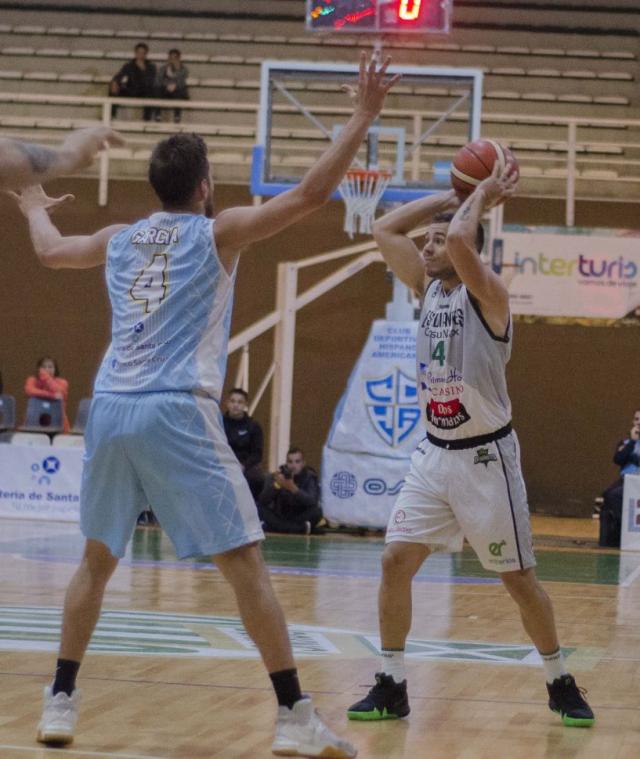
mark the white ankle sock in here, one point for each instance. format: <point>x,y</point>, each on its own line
<point>393,664</point>
<point>554,666</point>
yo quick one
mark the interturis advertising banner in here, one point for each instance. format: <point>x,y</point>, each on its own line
<point>40,482</point>
<point>375,430</point>
<point>594,274</point>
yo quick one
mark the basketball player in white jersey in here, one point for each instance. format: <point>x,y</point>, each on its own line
<point>465,478</point>
<point>26,163</point>
<point>155,432</point>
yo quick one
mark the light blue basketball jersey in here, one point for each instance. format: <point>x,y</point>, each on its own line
<point>171,300</point>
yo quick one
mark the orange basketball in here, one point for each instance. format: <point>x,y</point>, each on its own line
<point>474,162</point>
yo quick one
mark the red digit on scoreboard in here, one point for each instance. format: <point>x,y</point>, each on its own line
<point>409,9</point>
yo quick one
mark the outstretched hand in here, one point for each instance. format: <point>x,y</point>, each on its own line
<point>372,87</point>
<point>499,185</point>
<point>81,146</point>
<point>34,197</point>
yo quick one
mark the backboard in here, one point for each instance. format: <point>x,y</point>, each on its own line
<point>430,114</point>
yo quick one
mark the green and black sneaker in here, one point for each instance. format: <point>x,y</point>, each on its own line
<point>567,700</point>
<point>386,700</point>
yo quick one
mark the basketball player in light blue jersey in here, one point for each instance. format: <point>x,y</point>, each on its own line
<point>155,432</point>
<point>465,478</point>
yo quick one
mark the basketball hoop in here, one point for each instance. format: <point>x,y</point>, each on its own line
<point>361,190</point>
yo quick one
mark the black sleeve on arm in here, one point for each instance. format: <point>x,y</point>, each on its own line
<point>309,494</point>
<point>623,453</point>
<point>257,445</point>
<point>268,492</point>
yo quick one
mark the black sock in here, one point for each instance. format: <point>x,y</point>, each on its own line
<point>66,673</point>
<point>286,686</point>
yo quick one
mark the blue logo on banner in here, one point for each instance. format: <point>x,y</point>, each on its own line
<point>377,486</point>
<point>343,485</point>
<point>51,465</point>
<point>392,403</point>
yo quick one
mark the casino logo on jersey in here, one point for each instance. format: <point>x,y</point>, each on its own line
<point>392,405</point>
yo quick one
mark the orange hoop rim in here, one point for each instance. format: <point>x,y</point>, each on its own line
<point>364,173</point>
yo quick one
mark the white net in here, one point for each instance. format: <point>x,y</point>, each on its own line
<point>361,191</point>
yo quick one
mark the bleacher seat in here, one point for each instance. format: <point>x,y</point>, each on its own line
<point>25,438</point>
<point>69,441</point>
<point>7,412</point>
<point>43,415</point>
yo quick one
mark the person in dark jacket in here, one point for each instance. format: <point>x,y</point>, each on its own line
<point>172,81</point>
<point>136,79</point>
<point>627,457</point>
<point>290,500</point>
<point>245,437</point>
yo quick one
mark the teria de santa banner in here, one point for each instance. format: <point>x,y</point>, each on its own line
<point>594,274</point>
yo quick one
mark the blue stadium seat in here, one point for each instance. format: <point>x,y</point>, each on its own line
<point>43,415</point>
<point>7,412</point>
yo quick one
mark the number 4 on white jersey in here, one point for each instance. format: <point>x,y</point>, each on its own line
<point>150,286</point>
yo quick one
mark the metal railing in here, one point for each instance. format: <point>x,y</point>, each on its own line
<point>571,148</point>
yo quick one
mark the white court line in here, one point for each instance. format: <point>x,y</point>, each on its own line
<point>631,578</point>
<point>44,751</point>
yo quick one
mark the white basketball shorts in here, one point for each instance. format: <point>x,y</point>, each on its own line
<point>477,493</point>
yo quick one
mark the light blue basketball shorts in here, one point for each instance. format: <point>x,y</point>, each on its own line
<point>167,450</point>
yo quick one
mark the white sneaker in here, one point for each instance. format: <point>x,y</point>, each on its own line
<point>301,732</point>
<point>59,717</point>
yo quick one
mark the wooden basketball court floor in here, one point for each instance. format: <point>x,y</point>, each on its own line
<point>172,675</point>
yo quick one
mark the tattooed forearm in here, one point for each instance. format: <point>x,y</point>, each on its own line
<point>40,158</point>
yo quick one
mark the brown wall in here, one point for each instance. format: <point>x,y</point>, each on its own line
<point>573,388</point>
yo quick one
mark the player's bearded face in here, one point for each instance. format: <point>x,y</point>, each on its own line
<point>437,263</point>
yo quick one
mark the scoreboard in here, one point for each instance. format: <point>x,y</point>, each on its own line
<point>379,16</point>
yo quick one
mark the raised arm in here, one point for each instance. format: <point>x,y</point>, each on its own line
<point>235,228</point>
<point>53,250</point>
<point>483,284</point>
<point>26,163</point>
<point>398,249</point>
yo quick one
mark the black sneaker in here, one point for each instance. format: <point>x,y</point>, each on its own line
<point>566,698</point>
<point>386,700</point>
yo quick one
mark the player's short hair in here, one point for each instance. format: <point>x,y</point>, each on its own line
<point>295,449</point>
<point>445,218</point>
<point>142,45</point>
<point>56,369</point>
<point>178,165</point>
<point>175,51</point>
<point>239,391</point>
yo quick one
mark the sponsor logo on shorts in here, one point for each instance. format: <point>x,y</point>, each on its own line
<point>343,485</point>
<point>495,549</point>
<point>484,457</point>
<point>502,562</point>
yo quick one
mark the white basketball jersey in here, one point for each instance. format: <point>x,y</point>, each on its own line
<point>461,366</point>
<point>171,300</point>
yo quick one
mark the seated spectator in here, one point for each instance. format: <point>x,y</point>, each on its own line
<point>47,383</point>
<point>172,81</point>
<point>290,500</point>
<point>245,437</point>
<point>627,457</point>
<point>136,79</point>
